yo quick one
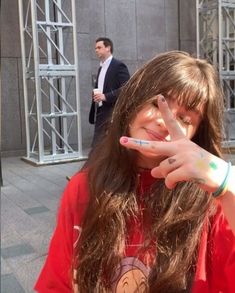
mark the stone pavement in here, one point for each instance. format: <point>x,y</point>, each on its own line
<point>29,201</point>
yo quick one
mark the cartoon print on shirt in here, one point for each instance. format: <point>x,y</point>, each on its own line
<point>131,277</point>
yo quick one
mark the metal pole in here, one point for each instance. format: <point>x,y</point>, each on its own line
<point>37,81</point>
<point>75,46</point>
<point>220,32</point>
<point>64,129</point>
<point>25,91</point>
<point>197,28</point>
<point>50,79</point>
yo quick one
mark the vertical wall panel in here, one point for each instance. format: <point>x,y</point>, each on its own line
<point>151,30</point>
<point>120,20</point>
<point>187,21</point>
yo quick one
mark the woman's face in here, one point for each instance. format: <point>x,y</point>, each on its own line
<point>149,125</point>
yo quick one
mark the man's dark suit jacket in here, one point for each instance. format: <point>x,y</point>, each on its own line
<point>116,76</point>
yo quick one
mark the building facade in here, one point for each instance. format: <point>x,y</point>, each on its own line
<point>139,30</point>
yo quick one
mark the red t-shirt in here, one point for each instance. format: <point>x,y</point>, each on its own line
<point>215,271</point>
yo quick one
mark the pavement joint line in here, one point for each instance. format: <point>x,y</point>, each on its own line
<point>36,210</point>
<point>17,250</point>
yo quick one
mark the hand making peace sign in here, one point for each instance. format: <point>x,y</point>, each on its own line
<point>186,161</point>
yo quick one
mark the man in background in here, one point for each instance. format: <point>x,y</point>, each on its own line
<point>112,75</point>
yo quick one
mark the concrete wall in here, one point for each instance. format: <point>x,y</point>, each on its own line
<point>139,29</point>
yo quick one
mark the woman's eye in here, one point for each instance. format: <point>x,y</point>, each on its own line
<point>185,120</point>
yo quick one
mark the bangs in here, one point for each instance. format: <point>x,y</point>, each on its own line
<point>190,96</point>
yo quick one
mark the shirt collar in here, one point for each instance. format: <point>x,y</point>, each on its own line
<point>106,61</point>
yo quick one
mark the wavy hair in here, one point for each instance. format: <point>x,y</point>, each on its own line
<point>178,216</point>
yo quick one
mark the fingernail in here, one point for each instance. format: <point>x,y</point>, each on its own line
<point>124,139</point>
<point>161,97</point>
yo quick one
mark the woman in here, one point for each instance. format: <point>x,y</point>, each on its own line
<point>122,230</point>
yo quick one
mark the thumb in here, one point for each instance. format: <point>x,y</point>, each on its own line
<point>156,173</point>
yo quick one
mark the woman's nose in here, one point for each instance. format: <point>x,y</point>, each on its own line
<point>160,121</point>
<point>162,126</point>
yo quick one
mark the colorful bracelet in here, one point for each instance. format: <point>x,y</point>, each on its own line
<point>224,185</point>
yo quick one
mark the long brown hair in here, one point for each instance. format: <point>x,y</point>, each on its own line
<point>178,216</point>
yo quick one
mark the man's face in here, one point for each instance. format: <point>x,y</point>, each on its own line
<point>101,51</point>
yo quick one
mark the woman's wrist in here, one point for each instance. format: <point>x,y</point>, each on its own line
<point>223,187</point>
<point>230,185</point>
<point>227,201</point>
<point>231,182</point>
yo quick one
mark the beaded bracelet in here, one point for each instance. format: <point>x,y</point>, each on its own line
<point>224,185</point>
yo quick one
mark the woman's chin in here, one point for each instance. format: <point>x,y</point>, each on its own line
<point>150,160</point>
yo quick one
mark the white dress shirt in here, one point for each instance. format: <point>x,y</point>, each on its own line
<point>104,68</point>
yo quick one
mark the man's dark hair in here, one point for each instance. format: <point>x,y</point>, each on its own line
<point>107,42</point>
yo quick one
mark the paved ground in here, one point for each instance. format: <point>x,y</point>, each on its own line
<point>29,201</point>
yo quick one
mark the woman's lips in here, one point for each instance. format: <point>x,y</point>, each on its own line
<point>155,136</point>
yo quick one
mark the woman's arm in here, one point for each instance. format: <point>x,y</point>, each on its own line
<point>57,275</point>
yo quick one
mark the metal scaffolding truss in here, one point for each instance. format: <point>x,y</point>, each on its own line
<point>50,80</point>
<point>216,42</point>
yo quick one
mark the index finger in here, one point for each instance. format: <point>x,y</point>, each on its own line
<point>154,147</point>
<point>169,119</point>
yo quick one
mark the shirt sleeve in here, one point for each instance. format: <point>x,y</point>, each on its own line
<point>216,261</point>
<point>56,274</point>
<point>223,256</point>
